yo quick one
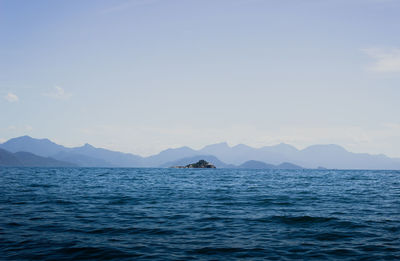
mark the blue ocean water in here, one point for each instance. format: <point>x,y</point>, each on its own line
<point>201,214</point>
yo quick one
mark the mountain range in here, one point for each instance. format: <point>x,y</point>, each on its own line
<point>221,155</point>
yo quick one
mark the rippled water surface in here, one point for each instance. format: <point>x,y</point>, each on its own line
<point>183,214</point>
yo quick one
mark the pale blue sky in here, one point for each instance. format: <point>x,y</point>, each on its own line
<point>143,75</point>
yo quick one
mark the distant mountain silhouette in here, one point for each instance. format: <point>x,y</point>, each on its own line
<point>84,156</point>
<point>336,157</point>
<point>81,160</point>
<point>113,158</point>
<point>288,165</point>
<point>328,156</point>
<point>8,159</point>
<point>27,159</point>
<point>254,164</point>
<point>40,147</point>
<point>170,155</point>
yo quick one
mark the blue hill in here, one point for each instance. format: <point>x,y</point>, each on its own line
<point>27,159</point>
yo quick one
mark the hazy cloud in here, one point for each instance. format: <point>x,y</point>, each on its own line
<point>386,60</point>
<point>58,93</point>
<point>18,128</point>
<point>11,97</point>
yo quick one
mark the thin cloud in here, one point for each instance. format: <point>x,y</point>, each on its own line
<point>386,60</point>
<point>58,93</point>
<point>11,97</point>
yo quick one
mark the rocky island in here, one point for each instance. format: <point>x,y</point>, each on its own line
<point>201,164</point>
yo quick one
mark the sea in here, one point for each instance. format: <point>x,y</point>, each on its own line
<point>198,214</point>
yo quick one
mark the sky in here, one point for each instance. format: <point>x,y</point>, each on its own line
<point>141,76</point>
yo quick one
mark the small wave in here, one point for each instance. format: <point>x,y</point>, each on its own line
<point>302,219</point>
<point>131,230</point>
<point>13,224</point>
<point>347,225</point>
<point>343,252</point>
<point>120,201</point>
<point>35,185</point>
<point>56,202</point>
<point>332,236</point>
<point>217,250</point>
<point>154,231</point>
<point>270,201</point>
<point>19,202</point>
<point>91,253</point>
<point>63,202</point>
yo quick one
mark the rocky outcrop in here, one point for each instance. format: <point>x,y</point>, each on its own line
<point>201,164</point>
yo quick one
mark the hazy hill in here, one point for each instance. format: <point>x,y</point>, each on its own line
<point>170,155</point>
<point>113,158</point>
<point>27,159</point>
<point>336,157</point>
<point>288,165</point>
<point>253,164</point>
<point>85,156</point>
<point>8,159</point>
<point>41,147</point>
<point>81,160</point>
<point>31,160</point>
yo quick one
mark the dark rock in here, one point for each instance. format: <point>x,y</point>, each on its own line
<point>201,164</point>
